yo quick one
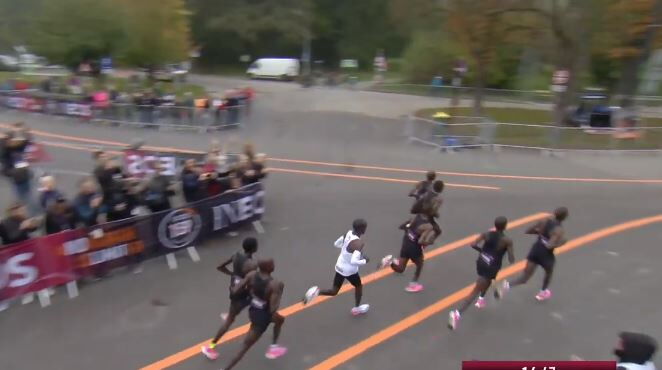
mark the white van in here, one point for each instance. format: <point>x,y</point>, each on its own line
<point>281,68</point>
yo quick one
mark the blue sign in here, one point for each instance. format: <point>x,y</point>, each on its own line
<point>106,64</point>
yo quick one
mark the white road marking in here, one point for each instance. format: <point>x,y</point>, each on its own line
<point>557,316</point>
<point>614,291</point>
<point>258,227</point>
<point>613,254</point>
<point>62,171</point>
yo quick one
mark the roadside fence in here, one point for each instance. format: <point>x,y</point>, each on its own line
<point>476,132</point>
<point>495,95</point>
<point>43,263</point>
<point>204,115</point>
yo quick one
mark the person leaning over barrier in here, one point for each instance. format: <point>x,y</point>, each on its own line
<point>158,189</point>
<point>87,203</point>
<point>191,181</point>
<point>17,226</point>
<point>60,216</point>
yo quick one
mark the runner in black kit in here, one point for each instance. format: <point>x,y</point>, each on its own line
<point>412,249</point>
<point>550,236</point>
<point>488,264</point>
<point>242,264</point>
<point>429,205</point>
<point>424,186</point>
<point>266,293</point>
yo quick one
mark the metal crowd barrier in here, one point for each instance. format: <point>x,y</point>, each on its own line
<point>483,133</point>
<point>494,95</point>
<point>173,116</point>
<point>160,116</point>
<point>650,103</point>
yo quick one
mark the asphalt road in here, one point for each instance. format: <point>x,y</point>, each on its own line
<point>600,288</point>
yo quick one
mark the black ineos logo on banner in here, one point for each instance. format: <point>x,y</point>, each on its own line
<point>179,228</point>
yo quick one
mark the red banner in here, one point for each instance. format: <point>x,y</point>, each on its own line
<point>35,265</point>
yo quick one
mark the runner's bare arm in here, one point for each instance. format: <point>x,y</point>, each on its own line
<point>223,267</point>
<point>535,229</point>
<point>277,288</point>
<point>557,238</point>
<point>476,242</point>
<point>511,250</point>
<point>437,206</point>
<point>404,225</point>
<point>356,245</point>
<point>414,191</point>
<point>427,234</point>
<point>244,282</point>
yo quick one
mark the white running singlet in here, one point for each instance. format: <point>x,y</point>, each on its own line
<point>348,263</point>
<point>630,366</point>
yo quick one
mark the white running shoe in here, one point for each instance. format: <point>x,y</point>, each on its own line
<point>360,310</point>
<point>387,260</point>
<point>311,294</point>
<point>453,319</point>
<point>502,289</point>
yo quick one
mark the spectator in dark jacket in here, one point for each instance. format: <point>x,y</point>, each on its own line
<point>119,206</point>
<point>22,178</point>
<point>251,166</point>
<point>14,144</point>
<point>191,184</point>
<point>87,203</point>
<point>158,189</point>
<point>17,226</point>
<point>60,216</point>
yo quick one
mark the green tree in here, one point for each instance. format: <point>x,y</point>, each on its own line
<point>158,32</point>
<point>635,33</point>
<point>69,31</point>
<point>226,29</point>
<point>15,21</point>
<point>430,53</point>
<point>483,29</point>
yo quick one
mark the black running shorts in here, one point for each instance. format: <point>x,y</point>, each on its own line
<point>355,279</point>
<point>486,271</point>
<point>260,319</point>
<point>411,251</point>
<point>542,256</point>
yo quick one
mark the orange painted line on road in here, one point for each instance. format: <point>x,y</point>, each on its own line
<point>470,174</point>
<point>359,166</point>
<point>443,304</point>
<point>377,178</point>
<point>297,307</point>
<point>75,147</point>
<point>314,173</point>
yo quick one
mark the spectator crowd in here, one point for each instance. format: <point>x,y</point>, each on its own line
<point>109,193</point>
<point>158,104</point>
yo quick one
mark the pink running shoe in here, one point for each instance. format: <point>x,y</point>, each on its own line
<point>209,352</point>
<point>275,351</point>
<point>453,319</point>
<point>544,295</point>
<point>414,287</point>
<point>481,303</point>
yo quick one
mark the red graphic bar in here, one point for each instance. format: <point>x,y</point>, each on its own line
<point>538,365</point>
